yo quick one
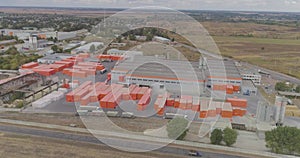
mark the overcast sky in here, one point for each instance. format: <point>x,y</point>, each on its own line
<point>249,5</point>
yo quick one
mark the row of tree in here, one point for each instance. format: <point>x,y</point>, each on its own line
<point>149,32</point>
<point>228,136</point>
<point>282,86</point>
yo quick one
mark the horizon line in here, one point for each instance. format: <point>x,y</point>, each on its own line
<point>124,8</point>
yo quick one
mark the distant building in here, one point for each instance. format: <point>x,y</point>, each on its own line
<point>252,75</point>
<point>33,43</point>
<point>117,45</point>
<point>141,38</point>
<point>71,45</point>
<point>86,48</point>
<point>123,52</point>
<point>49,59</point>
<point>65,35</point>
<point>29,28</point>
<point>161,39</point>
<point>21,34</point>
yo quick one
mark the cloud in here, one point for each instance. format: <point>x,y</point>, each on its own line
<point>290,2</point>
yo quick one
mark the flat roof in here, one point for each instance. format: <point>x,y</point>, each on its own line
<point>152,67</point>
<point>56,56</point>
<point>248,71</point>
<point>222,68</point>
<point>249,84</point>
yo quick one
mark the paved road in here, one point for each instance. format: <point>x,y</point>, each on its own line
<point>91,139</point>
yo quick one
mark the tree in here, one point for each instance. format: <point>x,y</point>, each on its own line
<point>216,136</point>
<point>132,37</point>
<point>149,37</point>
<point>57,49</point>
<point>297,90</point>
<point>230,136</point>
<point>12,51</point>
<point>281,86</point>
<point>283,140</point>
<point>54,48</point>
<point>92,48</point>
<point>119,39</point>
<point>177,128</point>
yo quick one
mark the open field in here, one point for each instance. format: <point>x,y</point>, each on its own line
<point>135,125</point>
<point>280,55</point>
<point>35,147</point>
<point>252,29</point>
<point>271,46</point>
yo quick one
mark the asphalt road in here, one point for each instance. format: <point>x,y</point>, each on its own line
<point>91,139</point>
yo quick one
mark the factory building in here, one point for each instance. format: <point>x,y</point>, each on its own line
<point>175,76</point>
<point>221,73</point>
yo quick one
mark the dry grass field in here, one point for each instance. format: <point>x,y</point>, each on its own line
<point>134,125</point>
<point>270,46</point>
<point>36,147</point>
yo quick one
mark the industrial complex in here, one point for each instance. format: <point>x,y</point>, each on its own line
<point>152,82</point>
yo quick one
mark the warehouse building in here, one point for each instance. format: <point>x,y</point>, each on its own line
<point>49,59</point>
<point>175,76</point>
<point>221,73</point>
